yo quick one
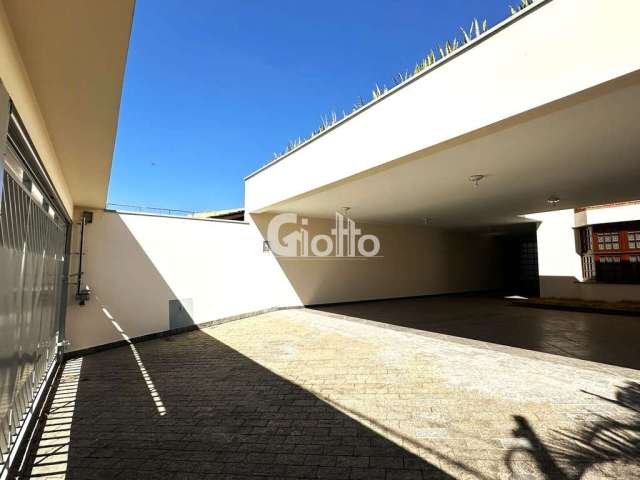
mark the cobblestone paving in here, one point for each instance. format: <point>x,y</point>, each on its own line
<point>299,394</point>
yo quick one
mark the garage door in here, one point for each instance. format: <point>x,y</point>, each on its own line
<point>32,258</point>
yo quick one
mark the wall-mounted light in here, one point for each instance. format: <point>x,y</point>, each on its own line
<point>553,200</point>
<point>83,295</point>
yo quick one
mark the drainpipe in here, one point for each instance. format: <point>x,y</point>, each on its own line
<point>83,294</point>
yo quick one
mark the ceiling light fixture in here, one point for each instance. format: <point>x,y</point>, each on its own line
<point>553,200</point>
<point>475,179</point>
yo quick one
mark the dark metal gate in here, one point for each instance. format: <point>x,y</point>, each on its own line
<point>32,258</point>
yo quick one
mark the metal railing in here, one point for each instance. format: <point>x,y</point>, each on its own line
<point>32,256</point>
<point>174,212</point>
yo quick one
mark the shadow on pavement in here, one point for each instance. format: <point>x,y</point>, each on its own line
<point>188,406</point>
<point>608,339</point>
<point>601,448</point>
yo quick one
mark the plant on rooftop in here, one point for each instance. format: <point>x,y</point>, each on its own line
<point>399,78</point>
<point>476,30</point>
<point>425,63</point>
<point>358,105</point>
<point>377,92</point>
<point>523,4</point>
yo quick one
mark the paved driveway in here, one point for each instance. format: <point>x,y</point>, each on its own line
<point>303,394</point>
<point>611,339</point>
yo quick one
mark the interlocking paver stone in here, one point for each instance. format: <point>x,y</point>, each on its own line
<point>299,394</point>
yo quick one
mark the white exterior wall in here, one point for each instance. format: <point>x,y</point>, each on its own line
<point>561,48</point>
<point>560,265</point>
<point>135,264</point>
<point>608,214</point>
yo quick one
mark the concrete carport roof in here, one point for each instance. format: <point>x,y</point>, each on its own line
<point>74,54</point>
<point>585,150</point>
<point>540,108</point>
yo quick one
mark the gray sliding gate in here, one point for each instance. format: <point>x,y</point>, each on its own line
<point>32,259</point>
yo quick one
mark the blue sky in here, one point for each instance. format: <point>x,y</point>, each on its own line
<point>213,88</point>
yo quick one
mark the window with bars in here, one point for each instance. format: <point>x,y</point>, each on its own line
<point>33,240</point>
<point>610,259</point>
<point>608,241</point>
<point>588,267</point>
<point>586,240</point>
<point>610,252</point>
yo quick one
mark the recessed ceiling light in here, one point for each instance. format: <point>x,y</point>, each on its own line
<point>475,179</point>
<point>553,200</point>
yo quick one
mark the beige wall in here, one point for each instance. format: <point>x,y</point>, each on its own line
<point>15,79</point>
<point>414,261</point>
<point>136,264</point>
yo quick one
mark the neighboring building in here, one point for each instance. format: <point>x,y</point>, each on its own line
<point>609,238</point>
<point>230,214</point>
<point>611,250</point>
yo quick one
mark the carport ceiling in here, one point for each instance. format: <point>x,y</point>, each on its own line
<point>583,149</point>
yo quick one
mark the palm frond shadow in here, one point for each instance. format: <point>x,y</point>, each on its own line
<point>571,454</point>
<point>607,439</point>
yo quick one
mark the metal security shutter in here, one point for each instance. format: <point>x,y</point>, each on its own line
<point>33,235</point>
